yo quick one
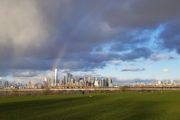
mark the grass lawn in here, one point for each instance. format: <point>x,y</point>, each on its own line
<point>106,106</point>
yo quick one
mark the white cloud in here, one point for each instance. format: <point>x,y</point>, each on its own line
<point>165,70</point>
<point>161,56</point>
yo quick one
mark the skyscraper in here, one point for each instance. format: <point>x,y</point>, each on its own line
<point>109,80</point>
<point>55,76</point>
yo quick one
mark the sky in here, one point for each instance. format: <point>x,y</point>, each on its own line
<point>124,39</point>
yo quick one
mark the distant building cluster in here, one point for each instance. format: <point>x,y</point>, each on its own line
<point>166,83</point>
<point>85,81</point>
<point>70,81</point>
<point>14,85</point>
<point>158,83</point>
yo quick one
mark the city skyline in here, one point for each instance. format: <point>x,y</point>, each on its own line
<point>123,39</point>
<point>68,81</point>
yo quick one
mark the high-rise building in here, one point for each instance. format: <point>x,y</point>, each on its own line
<point>96,84</point>
<point>55,76</point>
<point>6,84</point>
<point>1,84</point>
<point>109,82</point>
<point>69,78</point>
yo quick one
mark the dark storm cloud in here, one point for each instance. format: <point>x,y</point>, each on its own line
<point>26,73</point>
<point>99,60</point>
<point>133,70</point>
<point>158,57</point>
<point>171,36</point>
<point>129,39</point>
<point>137,53</point>
<point>40,32</point>
<point>32,63</point>
<point>142,13</point>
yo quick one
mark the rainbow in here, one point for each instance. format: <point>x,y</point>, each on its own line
<point>61,52</point>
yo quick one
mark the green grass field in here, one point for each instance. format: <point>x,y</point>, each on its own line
<point>105,106</point>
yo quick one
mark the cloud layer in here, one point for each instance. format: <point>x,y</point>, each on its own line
<point>85,34</point>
